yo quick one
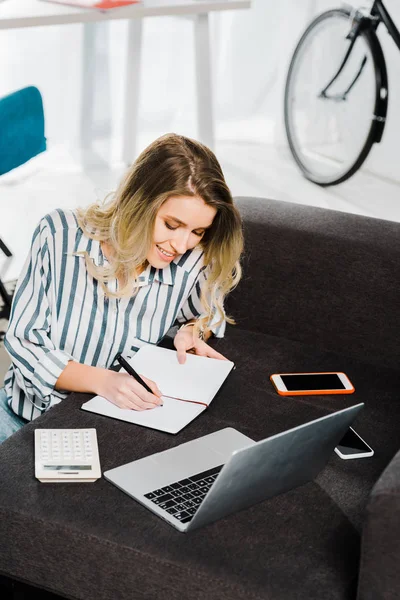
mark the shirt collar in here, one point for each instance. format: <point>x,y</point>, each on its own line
<point>186,261</point>
<point>166,275</point>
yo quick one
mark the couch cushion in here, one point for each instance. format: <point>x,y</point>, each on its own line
<point>91,541</point>
<point>257,356</point>
<point>322,277</point>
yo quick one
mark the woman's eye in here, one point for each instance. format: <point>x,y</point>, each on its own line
<point>199,233</point>
<point>168,226</point>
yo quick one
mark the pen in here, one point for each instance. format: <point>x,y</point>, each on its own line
<point>132,372</point>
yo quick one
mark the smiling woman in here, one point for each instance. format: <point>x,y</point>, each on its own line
<point>172,236</point>
<point>107,279</point>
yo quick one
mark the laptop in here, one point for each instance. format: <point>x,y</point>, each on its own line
<point>218,474</point>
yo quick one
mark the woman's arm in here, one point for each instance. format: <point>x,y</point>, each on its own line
<point>193,308</point>
<point>39,365</point>
<point>37,362</point>
<point>187,338</point>
<point>205,333</point>
<point>119,388</point>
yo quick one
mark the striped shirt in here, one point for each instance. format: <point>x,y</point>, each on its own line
<point>60,312</point>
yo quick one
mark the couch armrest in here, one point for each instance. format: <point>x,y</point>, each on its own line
<point>379,577</point>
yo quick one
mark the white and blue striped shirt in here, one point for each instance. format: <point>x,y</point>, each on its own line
<point>60,312</point>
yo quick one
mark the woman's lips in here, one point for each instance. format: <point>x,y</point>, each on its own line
<point>164,256</point>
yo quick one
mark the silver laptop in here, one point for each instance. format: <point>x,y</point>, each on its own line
<point>215,475</point>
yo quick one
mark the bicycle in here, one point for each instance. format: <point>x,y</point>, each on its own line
<point>336,92</point>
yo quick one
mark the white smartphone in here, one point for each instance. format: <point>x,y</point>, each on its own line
<point>353,446</point>
<point>292,384</point>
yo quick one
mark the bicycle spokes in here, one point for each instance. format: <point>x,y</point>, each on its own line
<point>330,97</point>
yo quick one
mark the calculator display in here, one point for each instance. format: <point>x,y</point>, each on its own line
<point>67,467</point>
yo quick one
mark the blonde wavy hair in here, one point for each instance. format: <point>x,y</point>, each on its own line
<point>172,165</point>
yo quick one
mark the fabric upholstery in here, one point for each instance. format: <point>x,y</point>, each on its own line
<point>117,549</point>
<point>93,542</point>
<point>22,128</point>
<point>379,569</point>
<point>322,277</point>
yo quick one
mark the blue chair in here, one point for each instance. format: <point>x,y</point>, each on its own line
<point>21,138</point>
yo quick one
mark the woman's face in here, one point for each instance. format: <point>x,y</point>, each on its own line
<point>179,226</point>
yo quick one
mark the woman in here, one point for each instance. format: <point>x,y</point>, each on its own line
<point>108,279</point>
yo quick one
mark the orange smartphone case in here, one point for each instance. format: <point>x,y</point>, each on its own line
<point>312,392</point>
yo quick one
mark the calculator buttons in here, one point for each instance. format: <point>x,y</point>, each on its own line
<point>66,455</point>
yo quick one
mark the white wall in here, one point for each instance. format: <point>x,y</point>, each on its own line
<point>258,66</point>
<point>251,54</point>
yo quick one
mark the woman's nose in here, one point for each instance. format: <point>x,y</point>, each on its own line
<point>181,241</point>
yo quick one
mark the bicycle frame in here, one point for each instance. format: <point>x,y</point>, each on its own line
<point>377,15</point>
<point>379,11</point>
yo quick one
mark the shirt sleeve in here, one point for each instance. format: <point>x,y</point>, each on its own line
<point>193,308</point>
<point>37,362</point>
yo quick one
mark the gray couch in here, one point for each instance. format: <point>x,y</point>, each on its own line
<point>320,292</point>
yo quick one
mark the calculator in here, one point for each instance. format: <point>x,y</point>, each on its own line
<point>66,455</point>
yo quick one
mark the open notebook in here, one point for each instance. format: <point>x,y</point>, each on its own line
<point>187,389</point>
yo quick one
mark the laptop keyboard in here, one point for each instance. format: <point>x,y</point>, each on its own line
<point>182,498</point>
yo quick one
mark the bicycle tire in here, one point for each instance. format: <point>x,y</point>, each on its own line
<point>378,118</point>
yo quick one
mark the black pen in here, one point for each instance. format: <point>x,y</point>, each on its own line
<point>132,372</point>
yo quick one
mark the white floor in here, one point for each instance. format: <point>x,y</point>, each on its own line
<point>58,179</point>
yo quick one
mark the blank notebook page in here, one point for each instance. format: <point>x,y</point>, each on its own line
<point>198,379</point>
<point>171,417</point>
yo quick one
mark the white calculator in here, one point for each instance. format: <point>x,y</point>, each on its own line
<point>66,455</point>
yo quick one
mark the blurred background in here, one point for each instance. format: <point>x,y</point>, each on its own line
<point>251,50</point>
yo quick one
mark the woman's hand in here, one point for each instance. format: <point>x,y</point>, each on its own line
<point>125,392</point>
<point>186,341</point>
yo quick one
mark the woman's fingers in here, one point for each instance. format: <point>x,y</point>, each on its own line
<point>134,402</point>
<point>125,392</point>
<point>206,350</point>
<point>182,344</point>
<point>138,398</point>
<point>152,385</point>
<point>144,399</point>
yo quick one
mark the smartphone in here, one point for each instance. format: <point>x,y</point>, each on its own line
<point>296,384</point>
<point>353,446</point>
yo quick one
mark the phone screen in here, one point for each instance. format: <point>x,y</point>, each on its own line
<point>351,443</point>
<point>315,381</point>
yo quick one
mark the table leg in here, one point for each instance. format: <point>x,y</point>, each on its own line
<point>132,90</point>
<point>88,84</point>
<point>205,119</point>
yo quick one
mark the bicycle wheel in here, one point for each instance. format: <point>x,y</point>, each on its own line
<point>331,125</point>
